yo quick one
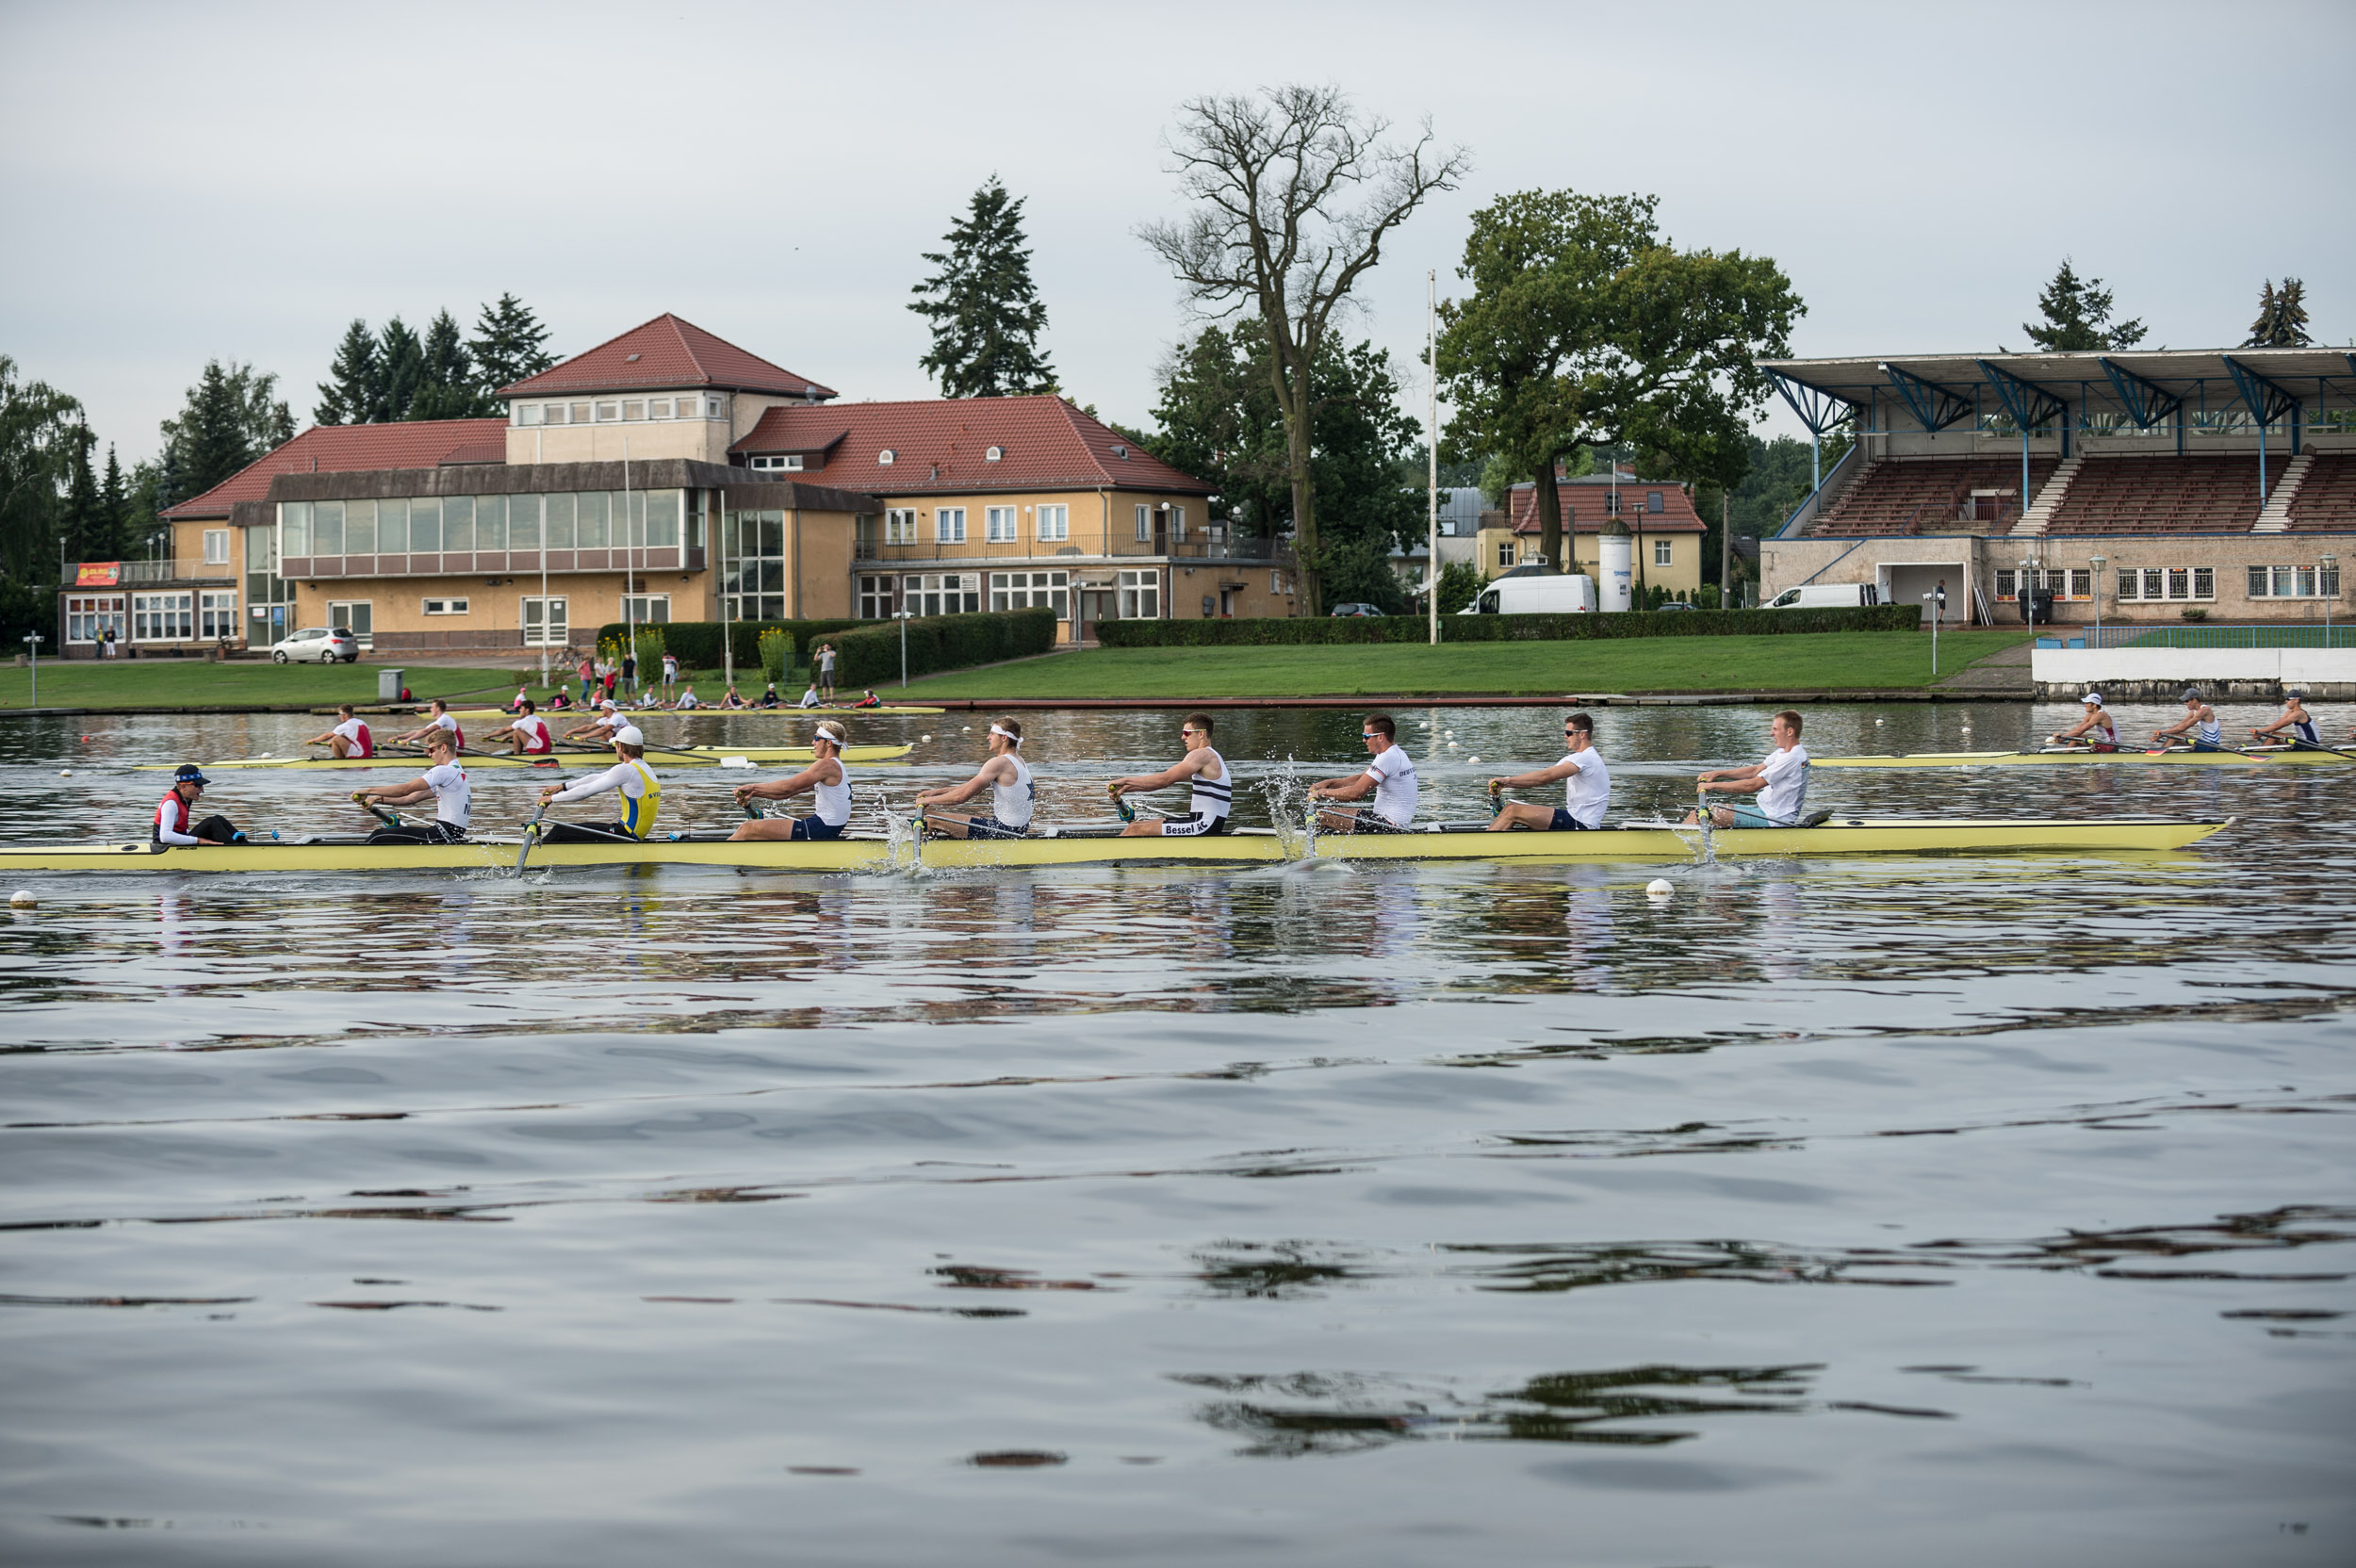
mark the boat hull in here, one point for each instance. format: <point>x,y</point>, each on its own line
<point>708,709</point>
<point>2083,758</point>
<point>1879,835</point>
<point>668,756</point>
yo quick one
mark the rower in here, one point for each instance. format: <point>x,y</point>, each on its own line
<point>870,700</point>
<point>173,814</point>
<point>770,698</point>
<point>829,785</point>
<point>531,731</point>
<point>1390,779</point>
<point>350,738</point>
<point>602,726</point>
<point>444,782</point>
<point>2095,730</point>
<point>2200,726</point>
<point>732,700</point>
<point>687,698</point>
<point>641,794</point>
<point>1780,784</point>
<point>519,702</point>
<point>2295,719</point>
<point>1213,788</point>
<point>1012,794</point>
<point>810,696</point>
<point>1586,787</point>
<point>440,720</point>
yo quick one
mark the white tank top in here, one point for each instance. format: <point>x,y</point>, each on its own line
<point>1011,804</point>
<point>834,800</point>
<point>1214,797</point>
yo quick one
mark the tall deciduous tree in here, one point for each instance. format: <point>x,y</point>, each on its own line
<point>986,314</point>
<point>354,392</point>
<point>88,532</point>
<point>1293,193</point>
<point>36,434</point>
<point>1586,326</point>
<point>2281,321</point>
<point>2077,313</point>
<point>509,343</point>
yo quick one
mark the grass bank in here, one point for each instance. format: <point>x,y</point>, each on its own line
<point>193,683</point>
<point>1833,661</point>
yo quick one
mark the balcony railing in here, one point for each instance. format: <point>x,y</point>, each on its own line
<point>1195,546</point>
<point>160,571</point>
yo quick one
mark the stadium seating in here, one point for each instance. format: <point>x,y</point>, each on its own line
<point>1932,496</point>
<point>2162,494</point>
<point>2326,503</point>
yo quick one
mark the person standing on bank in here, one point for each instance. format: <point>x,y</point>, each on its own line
<point>1585,796</point>
<point>350,738</point>
<point>444,782</point>
<point>1390,779</point>
<point>173,814</point>
<point>1213,796</point>
<point>826,673</point>
<point>640,791</point>
<point>670,674</point>
<point>828,783</point>
<point>1012,795</point>
<point>1779,785</point>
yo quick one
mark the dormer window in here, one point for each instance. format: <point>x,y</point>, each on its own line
<point>788,463</point>
<point>1120,452</point>
<point>993,454</point>
<point>883,458</point>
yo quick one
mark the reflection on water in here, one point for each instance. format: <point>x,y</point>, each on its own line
<point>1033,1217</point>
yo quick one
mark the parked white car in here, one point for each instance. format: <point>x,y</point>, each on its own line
<point>1827,595</point>
<point>1551,594</point>
<point>317,644</point>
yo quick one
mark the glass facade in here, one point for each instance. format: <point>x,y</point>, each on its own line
<point>753,564</point>
<point>438,525</point>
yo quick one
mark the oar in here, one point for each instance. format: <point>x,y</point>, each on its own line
<point>531,835</point>
<point>390,819</point>
<point>1121,808</point>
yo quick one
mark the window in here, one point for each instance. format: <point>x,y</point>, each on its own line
<point>647,608</point>
<point>1054,523</point>
<point>2081,583</point>
<point>634,412</point>
<point>1031,591</point>
<point>658,408</point>
<point>447,607</point>
<point>327,528</point>
<point>579,416</point>
<point>1142,595</point>
<point>993,454</point>
<point>1278,584</point>
<point>788,463</point>
<point>1177,523</point>
<point>752,559</point>
<point>544,623</point>
<point>1610,503</point>
<point>1661,553</point>
<point>862,531</point>
<point>553,414</point>
<point>523,523</point>
<point>900,525</point>
<point>877,596</point>
<point>358,617</point>
<point>941,593</point>
<point>1145,524</point>
<point>608,413</point>
<point>87,618</point>
<point>883,458</point>
<point>1505,552</point>
<point>162,617</point>
<point>217,616</point>
<point>949,525</point>
<point>2158,585</point>
<point>217,547</point>
<point>2294,583</point>
<point>1652,502</point>
<point>998,525</point>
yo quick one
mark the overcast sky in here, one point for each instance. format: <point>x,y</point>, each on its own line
<point>187,181</point>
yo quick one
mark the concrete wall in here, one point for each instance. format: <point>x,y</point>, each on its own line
<point>2137,673</point>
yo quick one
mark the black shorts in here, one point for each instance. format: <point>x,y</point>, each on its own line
<point>1194,825</point>
<point>811,828</point>
<point>991,828</point>
<point>419,833</point>
<point>1565,823</point>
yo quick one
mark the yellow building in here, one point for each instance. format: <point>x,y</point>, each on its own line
<point>1668,535</point>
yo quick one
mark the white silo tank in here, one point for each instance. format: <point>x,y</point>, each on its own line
<point>1616,567</point>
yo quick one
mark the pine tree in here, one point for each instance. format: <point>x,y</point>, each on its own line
<point>2281,321</point>
<point>509,343</point>
<point>449,391</point>
<point>2078,317</point>
<point>985,314</point>
<point>233,415</point>
<point>356,393</point>
<point>114,505</point>
<point>82,522</point>
<point>401,363</point>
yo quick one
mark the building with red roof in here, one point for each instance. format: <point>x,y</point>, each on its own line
<point>1668,532</point>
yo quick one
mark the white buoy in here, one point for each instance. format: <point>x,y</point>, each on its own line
<point>1472,759</point>
<point>22,900</point>
<point>1880,721</point>
<point>1447,734</point>
<point>1659,887</point>
<point>65,773</point>
<point>1451,746</point>
<point>923,737</point>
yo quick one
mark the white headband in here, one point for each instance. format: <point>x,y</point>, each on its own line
<point>830,732</point>
<point>1007,733</point>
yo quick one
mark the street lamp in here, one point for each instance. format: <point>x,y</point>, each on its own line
<point>33,641</point>
<point>2327,567</point>
<point>904,616</point>
<point>2096,562</point>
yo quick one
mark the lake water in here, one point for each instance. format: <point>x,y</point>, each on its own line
<point>1950,1211</point>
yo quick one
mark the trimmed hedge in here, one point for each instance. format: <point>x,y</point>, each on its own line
<point>872,657</point>
<point>697,643</point>
<point>1503,629</point>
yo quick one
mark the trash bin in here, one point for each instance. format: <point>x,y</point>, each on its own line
<point>388,685</point>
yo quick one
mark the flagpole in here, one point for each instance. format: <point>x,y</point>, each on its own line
<point>536,459</point>
<point>629,575</point>
<point>1431,448</point>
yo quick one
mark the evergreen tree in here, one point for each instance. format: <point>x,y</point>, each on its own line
<point>400,363</point>
<point>2281,321</point>
<point>2078,317</point>
<point>233,415</point>
<point>114,505</point>
<point>355,395</point>
<point>985,314</point>
<point>83,520</point>
<point>509,345</point>
<point>450,389</point>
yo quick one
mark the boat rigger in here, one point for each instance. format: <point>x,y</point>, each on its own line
<point>1262,846</point>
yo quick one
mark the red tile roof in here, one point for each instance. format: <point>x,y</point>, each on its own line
<point>344,448</point>
<point>666,351</point>
<point>1585,500</point>
<point>941,445</point>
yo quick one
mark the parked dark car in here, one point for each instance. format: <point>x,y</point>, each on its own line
<point>1356,610</point>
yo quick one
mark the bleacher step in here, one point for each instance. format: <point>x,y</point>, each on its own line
<point>2040,512</point>
<point>2275,517</point>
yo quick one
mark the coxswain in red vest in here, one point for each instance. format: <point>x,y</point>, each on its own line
<point>175,814</point>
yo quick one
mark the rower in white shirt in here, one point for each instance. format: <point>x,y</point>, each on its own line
<point>2095,729</point>
<point>1008,779</point>
<point>1390,779</point>
<point>444,782</point>
<point>828,783</point>
<point>1778,787</point>
<point>1586,787</point>
<point>350,738</point>
<point>530,732</point>
<point>602,727</point>
<point>440,719</point>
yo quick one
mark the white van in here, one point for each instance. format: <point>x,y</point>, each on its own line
<point>1551,594</point>
<point>1827,595</point>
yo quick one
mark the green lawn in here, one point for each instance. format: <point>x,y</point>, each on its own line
<point>1812,661</point>
<point>192,682</point>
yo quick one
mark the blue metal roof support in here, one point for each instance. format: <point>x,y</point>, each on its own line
<point>1934,406</point>
<point>2029,404</point>
<point>1814,407</point>
<point>2269,402</point>
<point>2147,402</point>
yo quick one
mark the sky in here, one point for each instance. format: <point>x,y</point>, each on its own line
<point>187,182</point>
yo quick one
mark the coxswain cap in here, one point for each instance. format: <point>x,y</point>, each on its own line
<point>189,772</point>
<point>2192,694</point>
<point>2293,693</point>
<point>2092,700</point>
<point>629,735</point>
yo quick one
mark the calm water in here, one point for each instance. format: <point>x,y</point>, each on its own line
<point>1937,1211</point>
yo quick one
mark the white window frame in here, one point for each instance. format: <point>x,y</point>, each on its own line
<point>1505,554</point>
<point>900,525</point>
<point>217,547</point>
<point>2167,584</point>
<point>789,462</point>
<point>948,525</point>
<point>998,525</point>
<point>91,614</point>
<point>455,606</point>
<point>165,617</point>
<point>531,414</point>
<point>541,630</point>
<point>2310,581</point>
<point>366,638</point>
<point>647,608</point>
<point>1145,524</point>
<point>1032,591</point>
<point>1053,524</point>
<point>1663,555</point>
<point>1142,595</point>
<point>217,614</point>
<point>1177,524</point>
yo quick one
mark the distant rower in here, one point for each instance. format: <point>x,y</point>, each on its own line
<point>1781,783</point>
<point>444,782</point>
<point>1214,795</point>
<point>350,738</point>
<point>602,727</point>
<point>828,783</point>
<point>532,737</point>
<point>440,720</point>
<point>2200,726</point>
<point>2095,729</point>
<point>1390,779</point>
<point>1585,796</point>
<point>2296,720</point>
<point>640,795</point>
<point>1012,794</point>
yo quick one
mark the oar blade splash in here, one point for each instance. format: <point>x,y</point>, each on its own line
<point>532,837</point>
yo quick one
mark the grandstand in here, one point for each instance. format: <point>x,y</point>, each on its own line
<point>2164,487</point>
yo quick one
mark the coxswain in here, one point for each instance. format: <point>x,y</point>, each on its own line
<point>2095,730</point>
<point>530,732</point>
<point>870,700</point>
<point>630,778</point>
<point>350,738</point>
<point>175,814</point>
<point>1777,786</point>
<point>444,782</point>
<point>1207,807</point>
<point>828,783</point>
<point>440,719</point>
<point>2200,726</point>
<point>2301,725</point>
<point>1390,779</point>
<point>560,700</point>
<point>1012,794</point>
<point>602,725</point>
<point>1586,787</point>
<point>515,704</point>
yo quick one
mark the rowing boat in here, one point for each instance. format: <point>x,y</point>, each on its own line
<point>471,713</point>
<point>682,757</point>
<point>1246,846</point>
<point>2252,756</point>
